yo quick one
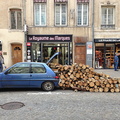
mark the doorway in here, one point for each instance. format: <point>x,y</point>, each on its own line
<point>104,55</point>
<point>80,54</point>
<point>109,55</point>
<point>16,53</point>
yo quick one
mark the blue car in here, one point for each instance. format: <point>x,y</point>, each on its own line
<point>29,75</point>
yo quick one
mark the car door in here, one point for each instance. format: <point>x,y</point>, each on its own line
<point>38,75</point>
<point>17,76</point>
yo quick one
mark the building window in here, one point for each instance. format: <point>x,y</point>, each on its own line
<point>40,14</point>
<point>108,18</point>
<point>60,14</point>
<point>16,18</point>
<point>82,14</point>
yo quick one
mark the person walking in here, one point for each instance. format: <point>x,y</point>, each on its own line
<point>116,61</point>
<point>1,61</point>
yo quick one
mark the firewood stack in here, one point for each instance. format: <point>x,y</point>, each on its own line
<point>54,66</point>
<point>82,77</point>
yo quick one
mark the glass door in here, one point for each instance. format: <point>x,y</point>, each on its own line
<point>104,55</point>
<point>109,55</point>
<point>99,55</point>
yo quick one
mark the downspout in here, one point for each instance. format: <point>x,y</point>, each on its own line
<point>93,51</point>
<point>24,28</point>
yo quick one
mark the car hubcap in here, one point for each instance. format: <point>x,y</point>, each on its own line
<point>48,86</point>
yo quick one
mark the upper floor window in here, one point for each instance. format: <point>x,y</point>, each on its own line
<point>107,18</point>
<point>60,14</point>
<point>16,18</point>
<point>40,14</point>
<point>82,14</point>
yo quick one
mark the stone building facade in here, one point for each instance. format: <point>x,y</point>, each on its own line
<point>84,31</point>
<point>59,26</point>
<point>11,31</point>
<point>106,32</point>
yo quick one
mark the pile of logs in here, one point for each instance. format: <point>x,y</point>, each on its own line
<point>54,66</point>
<point>82,77</point>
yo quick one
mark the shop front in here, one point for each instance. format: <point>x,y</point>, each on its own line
<point>105,50</point>
<point>41,47</point>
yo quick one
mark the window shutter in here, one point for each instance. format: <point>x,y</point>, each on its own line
<point>40,1</point>
<point>61,1</point>
<point>82,1</point>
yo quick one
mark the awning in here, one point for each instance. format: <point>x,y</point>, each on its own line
<point>82,1</point>
<point>40,1</point>
<point>61,0</point>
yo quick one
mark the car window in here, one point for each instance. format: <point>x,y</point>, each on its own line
<point>37,68</point>
<point>19,68</point>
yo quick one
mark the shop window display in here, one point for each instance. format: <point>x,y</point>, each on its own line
<point>104,54</point>
<point>109,55</point>
<point>41,52</point>
<point>98,59</point>
<point>36,52</point>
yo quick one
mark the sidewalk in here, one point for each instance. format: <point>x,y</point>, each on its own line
<point>110,72</point>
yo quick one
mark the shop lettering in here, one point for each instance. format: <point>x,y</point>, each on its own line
<point>62,38</point>
<point>38,38</point>
<point>34,38</point>
<point>108,40</point>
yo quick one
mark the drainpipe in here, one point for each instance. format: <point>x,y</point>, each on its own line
<point>25,28</point>
<point>93,51</point>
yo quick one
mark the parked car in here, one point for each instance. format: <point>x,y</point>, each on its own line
<point>29,75</point>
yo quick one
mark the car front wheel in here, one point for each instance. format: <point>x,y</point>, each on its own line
<point>48,86</point>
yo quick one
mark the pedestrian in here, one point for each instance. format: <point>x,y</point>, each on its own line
<point>1,61</point>
<point>116,61</point>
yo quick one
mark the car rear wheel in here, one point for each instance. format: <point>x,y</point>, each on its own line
<point>48,86</point>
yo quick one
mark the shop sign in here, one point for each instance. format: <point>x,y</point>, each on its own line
<point>89,47</point>
<point>49,38</point>
<point>106,40</point>
<point>28,53</point>
<point>28,44</point>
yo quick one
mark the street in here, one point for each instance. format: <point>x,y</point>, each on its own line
<point>59,105</point>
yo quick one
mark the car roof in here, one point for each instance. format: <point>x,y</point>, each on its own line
<point>31,63</point>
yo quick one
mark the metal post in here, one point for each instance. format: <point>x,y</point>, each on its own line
<point>93,51</point>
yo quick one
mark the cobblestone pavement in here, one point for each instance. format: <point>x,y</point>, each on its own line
<point>111,72</point>
<point>61,105</point>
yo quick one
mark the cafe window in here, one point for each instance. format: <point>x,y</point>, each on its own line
<point>16,18</point>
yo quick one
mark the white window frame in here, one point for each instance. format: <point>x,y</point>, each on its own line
<point>82,14</point>
<point>16,11</point>
<point>60,15</point>
<point>40,14</point>
<point>107,14</point>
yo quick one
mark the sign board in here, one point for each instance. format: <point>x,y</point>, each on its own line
<point>49,38</point>
<point>89,54</point>
<point>111,40</point>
